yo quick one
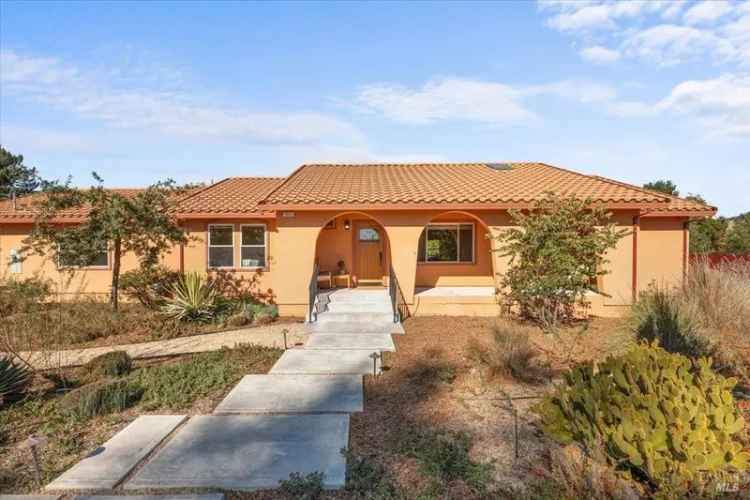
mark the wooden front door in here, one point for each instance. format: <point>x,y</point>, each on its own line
<point>370,258</point>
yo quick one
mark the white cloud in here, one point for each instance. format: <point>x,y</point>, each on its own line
<point>600,55</point>
<point>721,104</point>
<point>452,99</point>
<point>465,100</point>
<point>669,44</point>
<point>707,11</point>
<point>714,29</point>
<point>154,109</point>
<point>581,91</point>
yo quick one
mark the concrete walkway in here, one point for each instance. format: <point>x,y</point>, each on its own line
<point>295,419</point>
<point>267,335</point>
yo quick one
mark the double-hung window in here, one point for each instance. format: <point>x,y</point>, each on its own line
<point>253,245</point>
<point>447,242</point>
<point>220,245</point>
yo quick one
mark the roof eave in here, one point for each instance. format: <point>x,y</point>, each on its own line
<point>225,215</point>
<point>439,206</point>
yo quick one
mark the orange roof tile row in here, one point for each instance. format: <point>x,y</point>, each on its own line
<point>447,183</point>
<point>417,185</point>
<point>235,195</point>
<point>23,208</point>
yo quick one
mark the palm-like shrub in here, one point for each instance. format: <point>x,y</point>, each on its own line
<point>13,379</point>
<point>193,298</point>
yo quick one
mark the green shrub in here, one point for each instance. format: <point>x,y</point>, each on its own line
<point>444,457</point>
<point>366,479</point>
<point>510,353</point>
<point>660,315</point>
<point>149,286</point>
<point>21,295</point>
<point>110,364</point>
<point>14,379</point>
<point>176,386</point>
<point>299,487</point>
<point>264,313</point>
<point>193,299</point>
<point>657,415</point>
<point>238,319</point>
<point>101,398</point>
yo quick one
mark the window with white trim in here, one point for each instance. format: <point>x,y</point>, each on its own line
<point>447,242</point>
<point>220,245</point>
<point>253,245</point>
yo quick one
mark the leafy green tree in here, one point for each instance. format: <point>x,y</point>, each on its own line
<point>738,234</point>
<point>708,235</point>
<point>139,223</point>
<point>557,252</point>
<point>15,177</point>
<point>663,186</point>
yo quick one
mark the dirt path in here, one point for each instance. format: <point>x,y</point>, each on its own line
<point>268,335</point>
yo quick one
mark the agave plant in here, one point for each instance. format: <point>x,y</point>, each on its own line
<point>193,298</point>
<point>13,379</point>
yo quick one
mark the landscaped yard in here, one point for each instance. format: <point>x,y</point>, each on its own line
<point>63,406</point>
<point>440,421</point>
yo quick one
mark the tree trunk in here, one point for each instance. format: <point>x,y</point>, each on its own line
<point>115,292</point>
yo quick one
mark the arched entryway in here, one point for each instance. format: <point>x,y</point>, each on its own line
<point>353,249</point>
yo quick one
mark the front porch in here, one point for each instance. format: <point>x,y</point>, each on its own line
<point>456,301</point>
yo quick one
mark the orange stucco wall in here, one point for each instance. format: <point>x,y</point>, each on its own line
<point>294,244</point>
<point>94,281</point>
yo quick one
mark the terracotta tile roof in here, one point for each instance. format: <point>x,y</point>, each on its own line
<point>235,196</point>
<point>24,210</point>
<point>676,204</point>
<point>476,184</point>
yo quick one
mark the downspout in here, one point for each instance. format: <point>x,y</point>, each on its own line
<point>685,248</point>
<point>636,228</point>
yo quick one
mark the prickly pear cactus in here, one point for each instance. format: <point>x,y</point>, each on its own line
<point>658,415</point>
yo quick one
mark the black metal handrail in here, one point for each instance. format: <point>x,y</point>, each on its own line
<point>312,313</point>
<point>398,304</point>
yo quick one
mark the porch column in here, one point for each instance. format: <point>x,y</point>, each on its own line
<point>403,231</point>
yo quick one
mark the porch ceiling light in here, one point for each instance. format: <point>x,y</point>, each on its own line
<point>346,224</point>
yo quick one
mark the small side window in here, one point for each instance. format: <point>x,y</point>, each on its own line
<point>15,262</point>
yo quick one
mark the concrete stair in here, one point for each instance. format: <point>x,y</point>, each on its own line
<point>372,341</point>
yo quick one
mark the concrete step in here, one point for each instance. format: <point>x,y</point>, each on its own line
<point>372,341</point>
<point>294,394</point>
<point>326,362</point>
<point>380,307</point>
<point>355,317</point>
<point>382,327</point>
<point>247,452</point>
<point>112,461</point>
<point>359,296</point>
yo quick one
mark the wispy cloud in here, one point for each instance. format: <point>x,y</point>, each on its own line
<point>447,99</point>
<point>722,104</point>
<point>599,55</point>
<point>661,32</point>
<point>110,98</point>
<point>456,99</point>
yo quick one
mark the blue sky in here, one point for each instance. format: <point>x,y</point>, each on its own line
<point>198,91</point>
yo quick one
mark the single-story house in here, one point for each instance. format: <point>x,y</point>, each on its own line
<point>426,226</point>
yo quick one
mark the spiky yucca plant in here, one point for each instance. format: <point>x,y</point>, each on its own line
<point>194,298</point>
<point>13,379</point>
